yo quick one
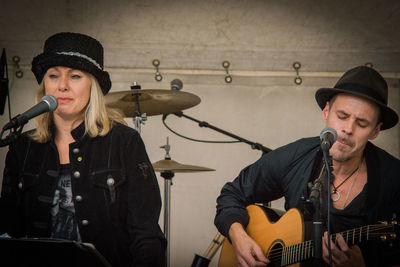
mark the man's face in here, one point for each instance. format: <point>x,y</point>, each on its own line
<point>355,120</point>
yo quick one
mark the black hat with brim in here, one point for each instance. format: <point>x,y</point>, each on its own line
<point>364,82</point>
<point>76,51</point>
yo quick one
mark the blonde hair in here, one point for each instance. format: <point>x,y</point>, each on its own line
<point>99,119</point>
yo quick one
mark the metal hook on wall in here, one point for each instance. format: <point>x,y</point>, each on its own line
<point>297,80</point>
<point>158,77</point>
<point>18,71</point>
<point>228,77</point>
<point>369,65</point>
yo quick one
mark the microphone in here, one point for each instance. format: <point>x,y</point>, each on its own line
<point>48,103</point>
<point>328,136</point>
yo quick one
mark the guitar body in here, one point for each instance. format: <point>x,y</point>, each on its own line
<point>283,240</point>
<point>268,234</point>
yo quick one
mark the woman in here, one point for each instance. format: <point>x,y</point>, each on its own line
<point>82,175</point>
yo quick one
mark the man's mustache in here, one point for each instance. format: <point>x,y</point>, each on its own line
<point>346,140</point>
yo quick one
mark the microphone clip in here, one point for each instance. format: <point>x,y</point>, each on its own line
<point>15,132</point>
<point>15,122</point>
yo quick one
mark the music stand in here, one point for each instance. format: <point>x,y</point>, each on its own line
<point>49,252</point>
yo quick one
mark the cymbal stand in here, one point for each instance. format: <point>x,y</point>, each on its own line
<point>167,175</point>
<point>139,118</point>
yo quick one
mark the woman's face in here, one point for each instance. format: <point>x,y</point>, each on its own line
<point>71,87</point>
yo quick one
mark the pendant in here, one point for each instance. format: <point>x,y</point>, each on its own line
<point>334,192</point>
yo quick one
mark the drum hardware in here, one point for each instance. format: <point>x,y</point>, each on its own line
<point>167,169</point>
<point>139,118</point>
<point>173,166</point>
<point>150,101</point>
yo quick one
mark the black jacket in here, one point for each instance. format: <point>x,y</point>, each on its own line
<point>119,199</point>
<point>286,171</point>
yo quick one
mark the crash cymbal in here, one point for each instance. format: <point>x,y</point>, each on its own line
<point>151,101</point>
<point>173,166</point>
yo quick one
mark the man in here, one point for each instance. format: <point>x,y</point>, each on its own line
<point>365,188</point>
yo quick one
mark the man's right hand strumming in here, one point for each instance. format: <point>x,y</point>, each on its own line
<point>247,252</point>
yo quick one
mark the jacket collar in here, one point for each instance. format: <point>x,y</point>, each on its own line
<point>77,133</point>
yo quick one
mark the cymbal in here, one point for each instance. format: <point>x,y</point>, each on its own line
<point>151,101</point>
<point>173,166</point>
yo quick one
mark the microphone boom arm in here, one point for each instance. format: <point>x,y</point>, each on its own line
<point>253,145</point>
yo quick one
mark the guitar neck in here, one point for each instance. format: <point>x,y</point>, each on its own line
<point>305,250</point>
<point>356,235</point>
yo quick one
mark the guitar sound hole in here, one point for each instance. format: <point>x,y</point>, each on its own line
<point>275,254</point>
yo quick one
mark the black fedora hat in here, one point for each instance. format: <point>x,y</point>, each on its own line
<point>73,50</point>
<point>365,82</point>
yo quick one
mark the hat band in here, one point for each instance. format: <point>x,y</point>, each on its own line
<point>77,54</point>
<point>361,90</point>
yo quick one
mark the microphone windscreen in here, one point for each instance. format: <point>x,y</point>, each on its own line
<point>51,101</point>
<point>325,131</point>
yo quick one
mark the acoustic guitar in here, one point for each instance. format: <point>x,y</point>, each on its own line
<point>282,239</point>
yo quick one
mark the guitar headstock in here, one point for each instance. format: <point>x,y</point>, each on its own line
<point>390,233</point>
<point>386,232</point>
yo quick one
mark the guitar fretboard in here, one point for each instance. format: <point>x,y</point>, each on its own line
<point>305,250</point>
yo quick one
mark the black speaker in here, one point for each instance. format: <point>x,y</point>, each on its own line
<point>3,81</point>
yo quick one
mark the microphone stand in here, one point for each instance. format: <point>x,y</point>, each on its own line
<point>328,167</point>
<point>253,145</point>
<point>314,200</point>
<point>12,137</point>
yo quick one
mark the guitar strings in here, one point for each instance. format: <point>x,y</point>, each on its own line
<point>276,254</point>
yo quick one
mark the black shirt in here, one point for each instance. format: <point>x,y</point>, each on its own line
<point>63,223</point>
<point>286,171</point>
